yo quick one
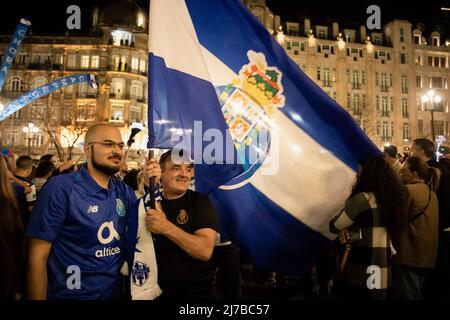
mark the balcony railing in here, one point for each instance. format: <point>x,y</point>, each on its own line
<point>39,66</point>
<point>126,68</point>
<point>384,89</point>
<point>120,96</point>
<point>86,95</point>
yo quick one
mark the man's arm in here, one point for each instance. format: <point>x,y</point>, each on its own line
<point>37,266</point>
<point>199,245</point>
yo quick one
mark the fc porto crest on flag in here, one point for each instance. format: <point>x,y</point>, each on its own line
<point>248,104</point>
<point>140,273</point>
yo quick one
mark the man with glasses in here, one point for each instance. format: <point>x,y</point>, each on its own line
<point>78,226</point>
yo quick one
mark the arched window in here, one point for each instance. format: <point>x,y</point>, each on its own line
<point>37,82</point>
<point>136,89</point>
<point>16,84</point>
<point>117,88</point>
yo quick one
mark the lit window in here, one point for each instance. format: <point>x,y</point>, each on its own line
<point>84,61</point>
<point>95,62</point>
<point>71,61</point>
<point>140,20</point>
<point>116,113</point>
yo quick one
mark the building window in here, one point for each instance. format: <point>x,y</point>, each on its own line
<point>419,82</point>
<point>121,38</point>
<point>322,33</point>
<point>404,82</point>
<point>134,64</point>
<point>402,35</point>
<point>135,114</point>
<point>16,84</point>
<point>436,82</point>
<point>443,64</point>
<point>420,128</point>
<point>84,61</point>
<point>10,138</point>
<point>21,59</point>
<point>116,113</point>
<point>355,80</point>
<point>436,61</point>
<point>402,58</point>
<point>140,21</point>
<point>17,114</point>
<point>384,107</point>
<point>418,60</point>
<point>71,61</point>
<point>142,66</point>
<point>385,133</point>
<point>439,128</point>
<point>95,62</point>
<point>417,39</point>
<point>36,141</point>
<point>302,46</point>
<point>405,132</point>
<point>117,88</point>
<point>37,82</point>
<point>136,89</point>
<point>405,108</point>
<point>59,59</point>
<point>326,77</point>
<point>318,73</point>
<point>436,41</point>
<point>86,112</point>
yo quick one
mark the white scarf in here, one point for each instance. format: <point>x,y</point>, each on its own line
<point>144,270</point>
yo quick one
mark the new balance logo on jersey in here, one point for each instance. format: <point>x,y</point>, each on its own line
<point>92,209</point>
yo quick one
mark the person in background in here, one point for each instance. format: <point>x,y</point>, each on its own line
<point>12,240</point>
<point>43,172</point>
<point>417,241</point>
<point>62,168</point>
<point>366,224</point>
<point>26,201</point>
<point>390,154</point>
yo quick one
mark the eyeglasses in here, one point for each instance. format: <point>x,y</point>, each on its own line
<point>110,144</point>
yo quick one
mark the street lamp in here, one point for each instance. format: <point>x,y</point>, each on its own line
<point>433,98</point>
<point>30,131</point>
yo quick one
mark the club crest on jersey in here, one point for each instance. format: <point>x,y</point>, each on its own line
<point>120,208</point>
<point>139,273</point>
<point>182,217</point>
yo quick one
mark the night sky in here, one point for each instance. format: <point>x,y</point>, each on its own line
<point>50,16</point>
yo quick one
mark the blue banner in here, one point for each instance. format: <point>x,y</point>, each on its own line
<point>41,91</point>
<point>13,48</point>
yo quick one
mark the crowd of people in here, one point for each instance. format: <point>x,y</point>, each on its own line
<point>56,220</point>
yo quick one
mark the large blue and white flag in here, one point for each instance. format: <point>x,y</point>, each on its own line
<point>39,92</point>
<point>214,69</point>
<point>13,47</point>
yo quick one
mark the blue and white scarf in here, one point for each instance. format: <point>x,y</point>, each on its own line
<point>141,254</point>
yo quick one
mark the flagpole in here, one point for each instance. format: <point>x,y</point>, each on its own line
<point>151,154</point>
